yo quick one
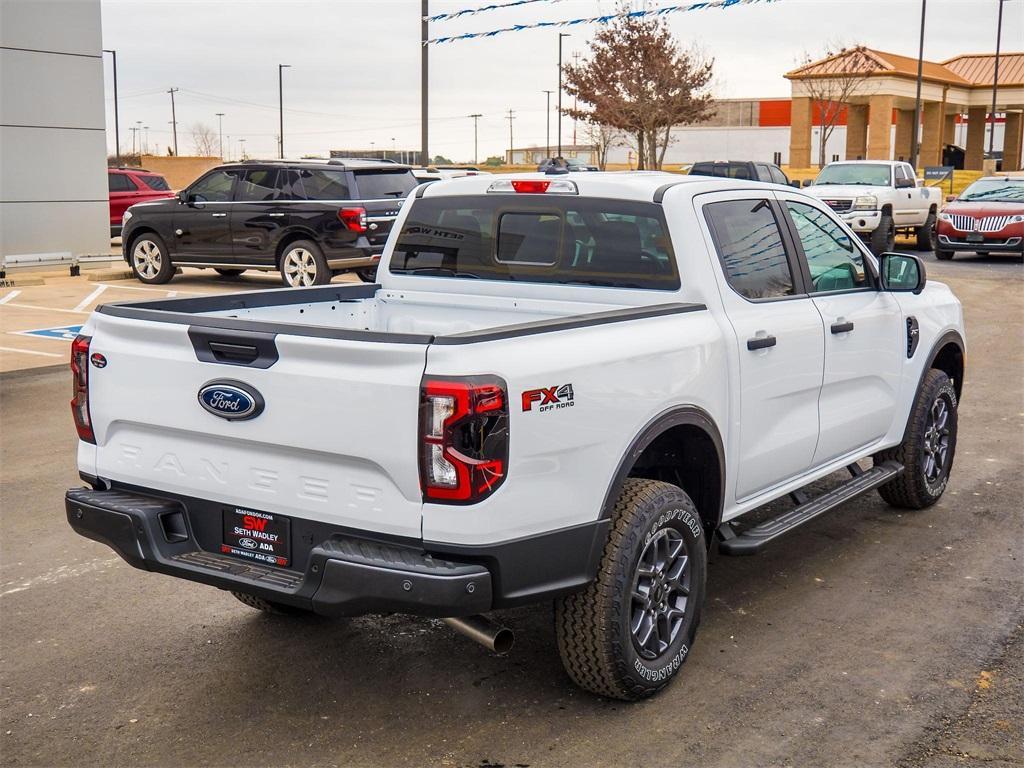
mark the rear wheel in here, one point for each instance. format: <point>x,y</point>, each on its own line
<point>228,272</point>
<point>883,239</point>
<point>927,450</point>
<point>302,265</point>
<point>150,261</point>
<point>626,635</point>
<point>927,240</point>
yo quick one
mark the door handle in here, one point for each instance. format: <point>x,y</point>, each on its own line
<point>275,215</point>
<point>218,215</point>
<point>761,342</point>
<point>842,327</point>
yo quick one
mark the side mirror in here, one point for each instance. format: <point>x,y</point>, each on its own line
<point>904,183</point>
<point>901,272</point>
<point>950,198</point>
<point>184,197</point>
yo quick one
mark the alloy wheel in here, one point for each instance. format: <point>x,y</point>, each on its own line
<point>146,258</point>
<point>299,267</point>
<point>661,588</point>
<point>936,441</point>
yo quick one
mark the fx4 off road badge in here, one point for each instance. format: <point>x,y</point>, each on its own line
<point>548,398</point>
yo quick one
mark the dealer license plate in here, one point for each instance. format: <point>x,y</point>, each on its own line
<point>258,536</point>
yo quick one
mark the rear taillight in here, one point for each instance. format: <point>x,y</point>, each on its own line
<point>463,438</point>
<point>80,388</point>
<point>353,218</point>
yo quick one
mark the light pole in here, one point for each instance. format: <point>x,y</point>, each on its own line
<point>280,105</point>
<point>174,121</point>
<point>995,86</point>
<point>511,144</point>
<point>424,81</point>
<point>117,128</point>
<point>134,131</point>
<point>917,98</point>
<point>560,36</point>
<point>220,132</point>
<point>241,149</point>
<point>547,114</point>
<point>145,139</point>
<point>476,152</point>
<point>138,132</point>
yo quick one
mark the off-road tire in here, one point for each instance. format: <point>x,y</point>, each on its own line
<point>912,489</point>
<point>595,638</point>
<point>157,268</point>
<point>883,239</point>
<point>927,239</point>
<point>943,255</point>
<point>224,272</point>
<point>269,606</point>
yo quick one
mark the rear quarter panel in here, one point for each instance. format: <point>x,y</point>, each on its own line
<point>562,460</point>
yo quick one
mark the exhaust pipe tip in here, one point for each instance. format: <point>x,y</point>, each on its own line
<point>494,637</point>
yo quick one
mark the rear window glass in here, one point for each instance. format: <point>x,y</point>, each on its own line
<point>155,182</point>
<point>320,185</point>
<point>378,185</point>
<point>538,239</point>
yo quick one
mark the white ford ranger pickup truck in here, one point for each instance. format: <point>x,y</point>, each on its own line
<point>878,199</point>
<point>563,388</point>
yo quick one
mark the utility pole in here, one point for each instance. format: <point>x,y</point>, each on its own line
<point>560,36</point>
<point>138,132</point>
<point>134,131</point>
<point>145,139</point>
<point>547,133</point>
<point>241,149</point>
<point>220,133</point>
<point>995,87</point>
<point>424,80</point>
<point>280,106</point>
<point>174,121</point>
<point>476,153</point>
<point>917,99</point>
<point>511,145</point>
<point>117,127</point>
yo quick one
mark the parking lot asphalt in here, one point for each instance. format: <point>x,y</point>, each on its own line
<point>871,637</point>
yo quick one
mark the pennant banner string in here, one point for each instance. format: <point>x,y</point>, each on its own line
<point>483,9</point>
<point>598,19</point>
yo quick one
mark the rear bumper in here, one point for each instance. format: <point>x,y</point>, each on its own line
<point>338,572</point>
<point>343,576</point>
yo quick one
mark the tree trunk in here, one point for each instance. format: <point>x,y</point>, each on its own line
<point>641,151</point>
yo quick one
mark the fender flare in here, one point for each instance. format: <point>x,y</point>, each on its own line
<point>946,338</point>
<point>673,417</point>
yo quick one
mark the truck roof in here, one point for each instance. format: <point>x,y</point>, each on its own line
<point>644,186</point>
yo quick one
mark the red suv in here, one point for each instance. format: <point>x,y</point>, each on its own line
<point>129,186</point>
<point>987,217</point>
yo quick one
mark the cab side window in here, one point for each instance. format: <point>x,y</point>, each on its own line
<point>835,263</point>
<point>750,247</point>
<point>257,186</point>
<point>213,188</point>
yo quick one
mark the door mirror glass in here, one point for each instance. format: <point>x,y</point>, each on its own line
<point>902,272</point>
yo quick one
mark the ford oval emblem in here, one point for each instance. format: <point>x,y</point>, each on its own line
<point>231,400</point>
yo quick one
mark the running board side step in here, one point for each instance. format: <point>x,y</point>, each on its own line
<point>751,540</point>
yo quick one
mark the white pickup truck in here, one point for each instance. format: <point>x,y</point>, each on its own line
<point>878,199</point>
<point>562,388</point>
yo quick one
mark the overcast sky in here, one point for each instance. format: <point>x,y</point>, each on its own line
<point>355,76</point>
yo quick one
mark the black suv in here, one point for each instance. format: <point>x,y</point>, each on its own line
<point>742,169</point>
<point>309,219</point>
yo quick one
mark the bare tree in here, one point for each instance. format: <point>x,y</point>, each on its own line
<point>638,81</point>
<point>831,88</point>
<point>602,138</point>
<point>204,140</point>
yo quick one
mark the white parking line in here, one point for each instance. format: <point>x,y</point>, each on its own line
<point>30,352</point>
<point>45,309</point>
<point>9,296</point>
<point>90,298</point>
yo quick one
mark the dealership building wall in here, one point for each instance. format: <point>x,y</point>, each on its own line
<point>53,181</point>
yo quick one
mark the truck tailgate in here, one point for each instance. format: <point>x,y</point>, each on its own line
<point>336,441</point>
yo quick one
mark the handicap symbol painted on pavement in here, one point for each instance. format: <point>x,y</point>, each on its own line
<point>63,333</point>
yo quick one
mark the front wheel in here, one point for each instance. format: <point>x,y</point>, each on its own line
<point>150,262</point>
<point>928,446</point>
<point>627,633</point>
<point>927,240</point>
<point>303,265</point>
<point>883,239</point>
<point>943,255</point>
